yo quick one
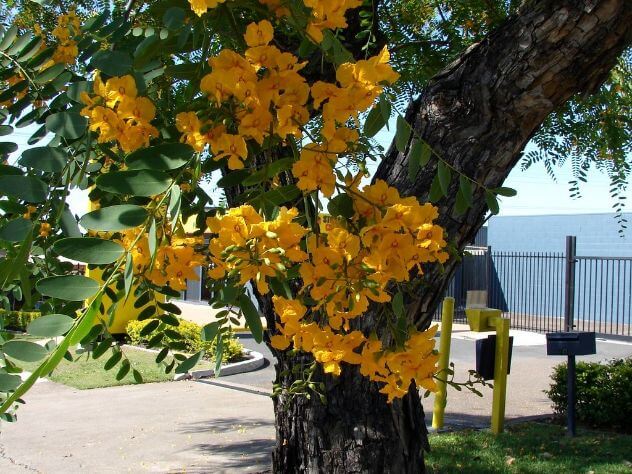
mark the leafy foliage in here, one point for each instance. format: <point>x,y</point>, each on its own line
<point>603,391</point>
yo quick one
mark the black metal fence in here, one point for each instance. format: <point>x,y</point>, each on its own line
<point>548,291</point>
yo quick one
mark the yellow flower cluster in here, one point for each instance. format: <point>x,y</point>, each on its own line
<point>68,27</point>
<point>396,369</point>
<point>328,14</point>
<point>175,262</point>
<point>252,248</point>
<point>263,90</point>
<point>118,113</point>
<point>346,265</point>
<point>325,14</point>
<point>360,84</point>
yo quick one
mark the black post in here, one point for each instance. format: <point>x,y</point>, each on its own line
<point>569,286</point>
<point>488,276</point>
<point>570,394</point>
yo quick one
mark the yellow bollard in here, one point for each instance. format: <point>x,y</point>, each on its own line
<point>441,395</point>
<point>500,373</point>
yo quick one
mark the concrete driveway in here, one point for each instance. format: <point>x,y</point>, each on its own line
<point>225,424</point>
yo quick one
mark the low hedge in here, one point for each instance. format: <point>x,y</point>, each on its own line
<point>191,336</point>
<point>604,393</point>
<point>18,320</point>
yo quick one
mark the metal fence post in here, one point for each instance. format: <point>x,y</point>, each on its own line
<point>569,286</point>
<point>488,275</point>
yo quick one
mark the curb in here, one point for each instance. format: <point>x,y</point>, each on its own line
<point>254,362</point>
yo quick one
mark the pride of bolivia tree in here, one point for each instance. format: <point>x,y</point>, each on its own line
<point>141,102</point>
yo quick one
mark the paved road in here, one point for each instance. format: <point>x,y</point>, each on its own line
<point>200,427</point>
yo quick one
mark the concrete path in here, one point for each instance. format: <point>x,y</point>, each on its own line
<point>225,424</point>
<point>164,427</point>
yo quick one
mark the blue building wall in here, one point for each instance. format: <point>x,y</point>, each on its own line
<point>597,234</point>
<point>533,286</point>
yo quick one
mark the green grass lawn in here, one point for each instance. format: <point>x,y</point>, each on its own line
<point>530,448</point>
<point>85,372</point>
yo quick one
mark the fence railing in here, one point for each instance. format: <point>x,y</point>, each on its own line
<point>550,291</point>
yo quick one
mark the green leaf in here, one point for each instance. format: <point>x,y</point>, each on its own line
<point>435,190</point>
<point>233,178</point>
<point>129,279</point>
<point>398,305</point>
<point>209,332</point>
<point>9,37</point>
<point>112,63</point>
<point>50,325</point>
<point>341,205</point>
<point>414,160</point>
<point>124,370</point>
<point>219,351</point>
<point>253,319</point>
<point>152,237</point>
<point>269,171</point>
<point>465,186</point>
<point>374,122</point>
<point>7,148</point>
<point>114,218</point>
<point>402,134</point>
<point>168,156</point>
<point>507,192</point>
<point>150,327</point>
<point>5,130</point>
<point>45,158</point>
<point>189,363</point>
<point>135,182</point>
<point>24,350</point>
<point>68,223</point>
<point>9,382</point>
<point>16,230</point>
<point>67,124</point>
<point>113,360</point>
<point>460,205</point>
<point>492,202</point>
<point>49,74</point>
<point>174,18</point>
<point>85,323</point>
<point>445,177</point>
<point>385,107</point>
<point>26,188</point>
<point>68,287</point>
<point>76,88</point>
<point>89,250</point>
<point>175,201</point>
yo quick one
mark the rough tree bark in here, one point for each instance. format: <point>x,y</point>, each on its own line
<point>478,114</point>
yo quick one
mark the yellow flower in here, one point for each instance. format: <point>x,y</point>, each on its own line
<point>259,34</point>
<point>116,88</point>
<point>234,148</point>
<point>45,229</point>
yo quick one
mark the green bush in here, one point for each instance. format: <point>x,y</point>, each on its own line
<point>191,336</point>
<point>604,393</point>
<point>17,320</point>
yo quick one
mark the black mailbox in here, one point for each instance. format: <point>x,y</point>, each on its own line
<point>570,343</point>
<point>486,356</point>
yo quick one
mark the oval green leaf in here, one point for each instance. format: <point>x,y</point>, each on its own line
<point>50,325</point>
<point>89,250</point>
<point>168,156</point>
<point>114,218</point>
<point>25,351</point>
<point>27,188</point>
<point>135,182</point>
<point>9,382</point>
<point>67,124</point>
<point>68,287</point>
<point>113,63</point>
<point>253,319</point>
<point>44,158</point>
<point>16,230</point>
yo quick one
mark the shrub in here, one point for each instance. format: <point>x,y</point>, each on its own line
<point>18,320</point>
<point>604,393</point>
<point>190,335</point>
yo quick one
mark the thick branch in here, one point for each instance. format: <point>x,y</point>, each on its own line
<point>480,112</point>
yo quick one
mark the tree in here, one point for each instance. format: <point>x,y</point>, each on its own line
<point>456,143</point>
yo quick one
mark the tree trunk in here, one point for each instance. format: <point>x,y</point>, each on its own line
<point>478,114</point>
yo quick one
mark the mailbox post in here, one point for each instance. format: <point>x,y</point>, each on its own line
<point>570,344</point>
